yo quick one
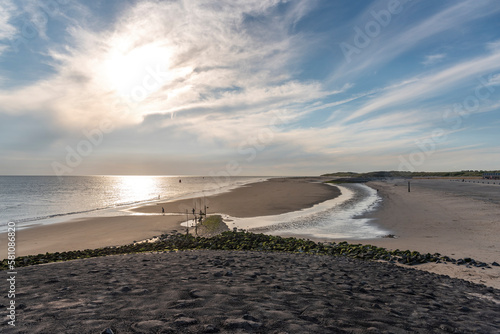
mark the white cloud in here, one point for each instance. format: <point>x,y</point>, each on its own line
<point>7,11</point>
<point>433,59</point>
<point>190,54</point>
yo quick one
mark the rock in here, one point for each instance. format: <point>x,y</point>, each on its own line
<point>495,264</point>
<point>107,331</point>
<point>229,273</point>
<point>185,321</point>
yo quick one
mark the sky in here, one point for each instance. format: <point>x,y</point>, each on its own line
<point>250,87</point>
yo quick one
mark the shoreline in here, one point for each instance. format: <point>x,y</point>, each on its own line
<point>259,199</point>
<point>425,220</point>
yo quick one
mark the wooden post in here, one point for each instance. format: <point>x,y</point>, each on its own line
<point>196,228</point>
<point>408,186</point>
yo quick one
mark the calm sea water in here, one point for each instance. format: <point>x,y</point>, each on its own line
<point>34,200</point>
<point>29,200</point>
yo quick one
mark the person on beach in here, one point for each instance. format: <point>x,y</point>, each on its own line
<point>163,210</point>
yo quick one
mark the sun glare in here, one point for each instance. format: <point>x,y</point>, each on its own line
<point>138,72</point>
<point>134,188</point>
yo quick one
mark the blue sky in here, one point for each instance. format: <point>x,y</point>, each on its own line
<point>248,87</point>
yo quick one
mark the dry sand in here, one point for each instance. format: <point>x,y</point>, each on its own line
<point>270,197</point>
<point>452,218</point>
<point>245,292</point>
<point>91,233</point>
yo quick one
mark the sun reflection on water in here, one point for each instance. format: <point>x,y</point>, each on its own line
<point>137,187</point>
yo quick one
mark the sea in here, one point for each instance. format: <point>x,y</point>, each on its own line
<point>39,200</point>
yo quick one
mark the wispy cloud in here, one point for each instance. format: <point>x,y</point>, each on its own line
<point>431,84</point>
<point>7,30</point>
<point>198,79</point>
<point>433,59</point>
<point>398,38</point>
<point>190,55</point>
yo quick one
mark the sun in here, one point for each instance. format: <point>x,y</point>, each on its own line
<point>138,72</point>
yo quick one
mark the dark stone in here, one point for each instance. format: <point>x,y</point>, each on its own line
<point>495,264</point>
<point>125,289</point>
<point>107,331</point>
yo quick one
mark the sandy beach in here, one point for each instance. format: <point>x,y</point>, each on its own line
<point>207,291</point>
<point>270,197</point>
<point>452,218</point>
<point>438,216</point>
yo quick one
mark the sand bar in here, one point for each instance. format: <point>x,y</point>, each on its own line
<point>271,197</point>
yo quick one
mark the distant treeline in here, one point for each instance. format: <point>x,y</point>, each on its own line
<point>464,173</point>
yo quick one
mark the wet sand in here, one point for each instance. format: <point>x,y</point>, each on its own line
<point>270,197</point>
